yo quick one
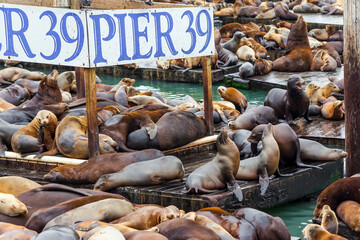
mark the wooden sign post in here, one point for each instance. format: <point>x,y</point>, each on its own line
<point>352,84</point>
<point>207,88</point>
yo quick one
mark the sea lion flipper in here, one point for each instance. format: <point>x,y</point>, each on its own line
<point>263,180</point>
<point>236,189</point>
<point>151,131</point>
<point>281,174</point>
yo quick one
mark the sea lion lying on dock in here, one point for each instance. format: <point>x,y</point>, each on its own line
<point>11,206</point>
<point>7,130</point>
<point>57,232</point>
<point>324,62</point>
<point>16,185</point>
<point>9,75</point>
<point>323,93</point>
<point>314,232</point>
<point>15,94</point>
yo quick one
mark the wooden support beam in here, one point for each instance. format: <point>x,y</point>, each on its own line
<point>91,113</point>
<point>80,82</point>
<point>207,88</point>
<point>352,84</point>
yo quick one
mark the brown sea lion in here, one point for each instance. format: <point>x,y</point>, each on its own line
<point>140,235</point>
<point>323,61</point>
<point>151,172</point>
<point>329,220</point>
<point>260,51</point>
<point>349,212</point>
<point>15,94</point>
<point>88,172</point>
<point>332,110</point>
<point>235,96</point>
<point>233,44</point>
<point>220,172</point>
<point>334,54</point>
<point>311,88</point>
<point>4,105</point>
<point>265,164</point>
<point>285,24</point>
<point>7,130</point>
<point>16,185</point>
<point>283,13</point>
<point>253,117</point>
<point>316,232</point>
<point>294,3</point>
<point>226,57</point>
<point>181,228</point>
<point>37,136</point>
<point>41,217</point>
<point>322,34</point>
<point>298,53</point>
<point>174,129</point>
<point>48,92</point>
<point>291,103</point>
<point>262,66</point>
<point>315,151</point>
<point>239,228</point>
<point>337,36</point>
<point>149,216</point>
<point>249,11</point>
<point>306,8</point>
<point>337,192</point>
<point>324,92</point>
<point>11,74</point>
<point>267,226</point>
<point>268,14</point>
<point>336,45</point>
<point>57,232</point>
<point>7,227</point>
<point>228,30</point>
<point>332,10</point>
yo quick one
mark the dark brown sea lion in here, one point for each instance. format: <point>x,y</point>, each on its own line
<point>235,96</point>
<point>41,217</point>
<point>291,103</point>
<point>239,228</point>
<point>314,151</point>
<point>349,212</point>
<point>220,172</point>
<point>57,232</point>
<point>228,30</point>
<point>334,54</point>
<point>140,235</point>
<point>29,139</point>
<point>283,13</point>
<point>336,45</point>
<point>233,44</point>
<point>225,56</point>
<point>253,117</point>
<point>240,139</point>
<point>48,92</point>
<point>120,126</point>
<point>338,192</point>
<point>316,232</point>
<point>182,229</point>
<point>31,85</point>
<point>264,165</point>
<point>262,66</point>
<point>249,11</point>
<point>267,226</point>
<point>323,61</point>
<point>89,172</point>
<point>298,53</point>
<point>7,130</point>
<point>174,129</point>
<point>15,94</point>
<point>337,36</point>
<point>287,141</point>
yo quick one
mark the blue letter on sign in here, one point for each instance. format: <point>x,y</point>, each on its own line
<point>53,34</point>
<point>79,37</point>
<point>97,34</point>
<point>137,34</point>
<point>166,34</point>
<point>9,31</point>
<point>122,37</point>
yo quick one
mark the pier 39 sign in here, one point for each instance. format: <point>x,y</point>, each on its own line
<point>95,38</point>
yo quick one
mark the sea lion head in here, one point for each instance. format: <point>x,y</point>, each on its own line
<point>313,86</point>
<point>256,134</point>
<point>267,131</point>
<point>221,90</point>
<point>127,81</point>
<point>238,35</point>
<point>170,212</point>
<point>107,140</point>
<point>52,78</point>
<point>311,230</point>
<point>11,206</point>
<point>45,117</point>
<point>222,138</point>
<point>295,81</point>
<point>331,87</point>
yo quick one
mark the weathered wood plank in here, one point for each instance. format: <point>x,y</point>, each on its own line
<point>207,89</point>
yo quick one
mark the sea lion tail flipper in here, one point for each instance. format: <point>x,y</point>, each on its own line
<point>236,189</point>
<point>332,11</point>
<point>263,180</point>
<point>281,174</point>
<point>185,70</point>
<point>151,131</point>
<point>5,82</point>
<point>301,164</point>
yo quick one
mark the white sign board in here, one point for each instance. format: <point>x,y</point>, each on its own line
<point>95,38</point>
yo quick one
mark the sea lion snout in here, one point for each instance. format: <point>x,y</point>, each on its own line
<point>54,75</point>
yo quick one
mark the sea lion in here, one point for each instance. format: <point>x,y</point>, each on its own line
<point>262,66</point>
<point>103,233</point>
<point>265,164</point>
<point>226,57</point>
<point>329,220</point>
<point>174,129</point>
<point>246,70</point>
<point>324,92</point>
<point>7,130</point>
<point>316,232</point>
<point>37,136</point>
<point>228,30</point>
<point>349,212</point>
<point>149,216</point>
<point>11,206</point>
<point>278,38</point>
<point>267,226</point>
<point>16,185</point>
<point>246,53</point>
<point>260,51</point>
<point>324,62</point>
<point>65,80</point>
<point>283,13</point>
<point>164,64</point>
<point>294,3</point>
<point>337,192</point>
<point>322,34</point>
<point>144,100</point>
<point>48,92</point>
<point>235,96</point>
<point>332,110</point>
<point>253,117</point>
<point>332,10</point>
<point>15,94</point>
<point>285,24</point>
<point>121,96</point>
<point>298,53</point>
<point>233,44</point>
<point>30,85</point>
<point>7,227</point>
<point>239,228</point>
<point>334,54</point>
<point>71,139</point>
<point>314,151</point>
<point>57,232</point>
<point>291,103</point>
<point>337,81</point>
<point>337,36</point>
<point>20,234</point>
<point>104,210</point>
<point>240,139</point>
<point>4,105</point>
<point>220,172</point>
<point>311,88</point>
<point>306,8</point>
<point>268,14</point>
<point>182,228</point>
<point>149,172</point>
<point>249,11</point>
<point>11,74</point>
<point>140,235</point>
<point>335,45</point>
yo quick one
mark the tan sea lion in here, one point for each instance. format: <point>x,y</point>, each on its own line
<point>268,14</point>
<point>349,212</point>
<point>329,220</point>
<point>324,92</point>
<point>37,136</point>
<point>103,233</point>
<point>285,24</point>
<point>332,110</point>
<point>164,64</point>
<point>4,105</point>
<point>278,38</point>
<point>265,164</point>
<point>235,96</point>
<point>20,234</point>
<point>311,88</point>
<point>316,232</point>
<point>323,61</point>
<point>12,74</point>
<point>283,13</point>
<point>140,235</point>
<point>322,34</point>
<point>16,185</point>
<point>220,172</point>
<point>11,206</point>
<point>246,53</point>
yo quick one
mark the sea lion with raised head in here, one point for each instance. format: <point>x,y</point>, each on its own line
<point>220,172</point>
<point>225,56</point>
<point>323,93</point>
<point>235,96</point>
<point>329,220</point>
<point>317,232</point>
<point>311,88</point>
<point>233,44</point>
